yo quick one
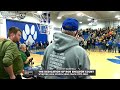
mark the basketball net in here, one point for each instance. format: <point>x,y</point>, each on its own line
<point>48,30</point>
<point>43,19</point>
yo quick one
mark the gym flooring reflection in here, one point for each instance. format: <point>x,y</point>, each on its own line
<point>107,65</point>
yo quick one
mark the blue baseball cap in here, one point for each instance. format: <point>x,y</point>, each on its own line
<point>70,24</point>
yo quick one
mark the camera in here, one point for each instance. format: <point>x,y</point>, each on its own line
<point>31,60</point>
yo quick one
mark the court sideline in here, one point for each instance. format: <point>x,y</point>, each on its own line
<point>105,69</point>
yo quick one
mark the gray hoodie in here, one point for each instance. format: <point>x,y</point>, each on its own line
<point>65,52</point>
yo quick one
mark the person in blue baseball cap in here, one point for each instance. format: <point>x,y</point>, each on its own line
<point>70,24</point>
<point>65,52</point>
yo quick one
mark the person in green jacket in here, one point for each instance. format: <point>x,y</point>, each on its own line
<point>65,52</point>
<point>11,64</point>
<point>24,57</point>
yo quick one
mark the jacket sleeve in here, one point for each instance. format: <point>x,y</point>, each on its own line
<point>9,55</point>
<point>44,64</point>
<point>45,58</point>
<point>86,61</point>
<point>24,58</point>
<point>85,65</point>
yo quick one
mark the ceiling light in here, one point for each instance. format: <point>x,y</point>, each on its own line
<point>95,20</point>
<point>80,22</point>
<point>39,12</point>
<point>59,17</point>
<point>90,24</point>
<point>80,14</point>
<point>112,11</point>
<point>89,19</point>
<point>117,16</point>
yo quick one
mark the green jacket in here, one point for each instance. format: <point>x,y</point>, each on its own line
<point>9,55</point>
<point>24,58</point>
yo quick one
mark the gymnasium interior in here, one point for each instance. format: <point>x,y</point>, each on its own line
<point>38,28</point>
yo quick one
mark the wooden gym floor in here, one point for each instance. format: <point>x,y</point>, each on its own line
<point>105,69</point>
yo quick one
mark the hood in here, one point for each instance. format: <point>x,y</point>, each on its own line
<point>63,42</point>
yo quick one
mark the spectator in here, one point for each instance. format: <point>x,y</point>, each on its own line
<point>85,44</point>
<point>24,57</point>
<point>41,45</point>
<point>47,43</point>
<point>65,52</point>
<point>11,64</point>
<point>114,47</point>
<point>27,52</point>
<point>118,44</point>
<point>104,45</point>
<point>110,45</point>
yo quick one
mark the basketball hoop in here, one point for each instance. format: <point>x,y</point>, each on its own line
<point>44,19</point>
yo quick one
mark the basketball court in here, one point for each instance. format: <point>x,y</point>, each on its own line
<point>105,69</point>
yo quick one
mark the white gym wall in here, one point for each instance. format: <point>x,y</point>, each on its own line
<point>55,24</point>
<point>26,19</point>
<point>3,32</point>
<point>31,19</point>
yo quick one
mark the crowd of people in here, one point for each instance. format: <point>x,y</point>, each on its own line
<point>91,39</point>
<point>37,45</point>
<point>40,45</point>
<point>100,39</point>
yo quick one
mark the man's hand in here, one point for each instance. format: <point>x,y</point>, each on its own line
<point>29,58</point>
<point>12,77</point>
<point>9,70</point>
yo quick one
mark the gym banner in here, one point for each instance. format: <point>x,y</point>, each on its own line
<point>30,31</point>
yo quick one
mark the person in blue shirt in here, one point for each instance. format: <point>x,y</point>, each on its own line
<point>114,46</point>
<point>100,46</point>
<point>118,45</point>
<point>104,45</point>
<point>96,45</point>
<point>110,45</point>
<point>118,29</point>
